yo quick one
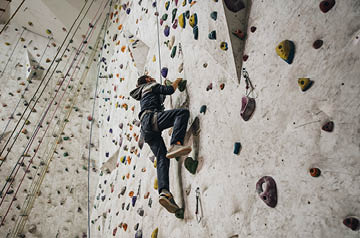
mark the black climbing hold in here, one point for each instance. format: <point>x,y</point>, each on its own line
<point>213,15</point>
<point>352,222</point>
<point>234,5</point>
<point>180,213</point>
<point>182,85</point>
<point>317,44</point>
<point>328,126</point>
<point>203,109</point>
<point>326,5</point>
<point>212,35</point>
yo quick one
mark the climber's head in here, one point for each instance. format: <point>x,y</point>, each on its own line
<point>145,79</point>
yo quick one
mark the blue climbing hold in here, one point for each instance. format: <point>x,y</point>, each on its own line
<point>164,72</point>
<point>237,148</point>
<point>167,31</point>
<point>196,32</point>
<point>212,35</point>
<point>203,109</point>
<point>213,16</point>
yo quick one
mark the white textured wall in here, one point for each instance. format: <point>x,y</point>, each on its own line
<point>283,139</point>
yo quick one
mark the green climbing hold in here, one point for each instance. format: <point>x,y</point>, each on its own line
<point>174,11</point>
<point>182,85</point>
<point>187,14</point>
<point>203,109</point>
<point>66,138</point>
<point>66,154</point>
<point>213,15</point>
<point>196,32</point>
<point>168,82</point>
<point>48,31</point>
<point>180,213</point>
<point>212,35</point>
<point>164,17</point>
<point>191,165</point>
<point>173,52</point>
<point>237,148</point>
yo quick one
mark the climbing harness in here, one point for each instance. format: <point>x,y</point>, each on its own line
<point>197,211</point>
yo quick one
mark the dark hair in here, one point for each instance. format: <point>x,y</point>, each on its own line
<point>142,80</point>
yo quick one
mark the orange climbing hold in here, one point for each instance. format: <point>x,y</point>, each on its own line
<point>131,194</point>
<point>123,49</point>
<point>125,226</point>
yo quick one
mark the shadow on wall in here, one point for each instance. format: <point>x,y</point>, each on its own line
<point>4,11</point>
<point>237,17</point>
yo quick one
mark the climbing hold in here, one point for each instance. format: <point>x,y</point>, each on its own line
<point>191,165</point>
<point>167,4</point>
<point>156,184</point>
<point>245,57</point>
<point>164,17</point>
<point>237,148</point>
<point>154,234</point>
<point>181,67</point>
<point>352,222</point>
<point>48,31</point>
<point>179,213</point>
<point>164,72</point>
<point>138,234</point>
<point>326,5</point>
<point>193,20</point>
<point>239,34</point>
<point>328,126</point>
<point>7,43</point>
<point>209,87</point>
<point>114,231</point>
<point>167,31</point>
<point>223,45</point>
<point>146,196</point>
<point>305,83</point>
<point>174,26</point>
<point>30,23</point>
<point>315,172</point>
<point>125,226</point>
<point>154,58</point>
<point>140,211</point>
<point>122,191</point>
<point>128,11</point>
<point>286,50</point>
<point>173,52</point>
<point>174,11</point>
<point>182,85</point>
<point>182,20</point>
<point>247,107</point>
<point>183,3</point>
<point>133,200</point>
<point>222,86</point>
<point>212,35</point>
<point>196,32</point>
<point>234,5</point>
<point>253,29</point>
<point>269,196</point>
<point>317,44</point>
<point>213,15</point>
<point>203,109</point>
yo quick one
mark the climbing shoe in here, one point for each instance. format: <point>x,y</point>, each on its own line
<point>166,200</point>
<point>177,151</point>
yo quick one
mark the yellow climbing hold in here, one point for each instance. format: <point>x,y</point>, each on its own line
<point>285,50</point>
<point>184,3</point>
<point>193,20</point>
<point>154,58</point>
<point>155,164</point>
<point>304,83</point>
<point>48,31</point>
<point>156,184</point>
<point>182,20</point>
<point>7,43</point>
<point>155,233</point>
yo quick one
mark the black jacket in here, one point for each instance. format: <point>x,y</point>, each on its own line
<point>151,96</point>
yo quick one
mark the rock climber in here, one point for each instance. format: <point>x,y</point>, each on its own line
<point>154,119</point>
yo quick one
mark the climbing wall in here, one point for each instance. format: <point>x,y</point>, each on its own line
<point>46,189</point>
<point>278,148</point>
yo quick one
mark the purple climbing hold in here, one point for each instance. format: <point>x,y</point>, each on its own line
<point>128,11</point>
<point>138,234</point>
<point>133,200</point>
<point>247,107</point>
<point>107,154</point>
<point>121,125</point>
<point>164,72</point>
<point>174,26</point>
<point>111,131</point>
<point>167,31</point>
<point>234,5</point>
<point>161,22</point>
<point>154,4</point>
<point>269,196</point>
<point>108,118</point>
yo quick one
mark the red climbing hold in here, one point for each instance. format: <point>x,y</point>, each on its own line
<point>247,107</point>
<point>326,5</point>
<point>315,172</point>
<point>245,57</point>
<point>114,231</point>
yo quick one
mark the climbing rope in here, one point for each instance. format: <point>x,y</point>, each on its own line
<point>12,16</point>
<point>22,95</point>
<point>12,52</point>
<point>92,116</point>
<point>158,38</point>
<point>41,171</point>
<point>86,40</point>
<point>40,122</point>
<point>58,62</point>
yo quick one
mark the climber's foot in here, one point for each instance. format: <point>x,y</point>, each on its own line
<point>166,200</point>
<point>177,151</point>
